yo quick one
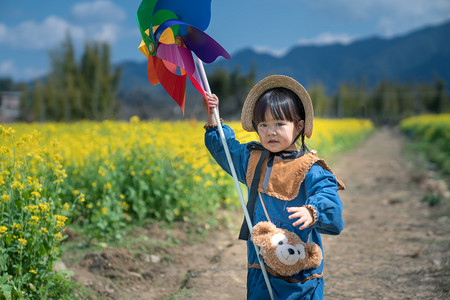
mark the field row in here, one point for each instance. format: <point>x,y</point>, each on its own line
<point>432,134</point>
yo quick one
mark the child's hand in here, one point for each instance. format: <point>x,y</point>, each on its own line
<point>213,101</point>
<point>303,214</point>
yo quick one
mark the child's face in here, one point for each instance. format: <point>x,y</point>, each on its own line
<point>278,135</point>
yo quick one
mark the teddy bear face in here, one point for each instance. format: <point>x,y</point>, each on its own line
<point>283,251</point>
<point>287,254</point>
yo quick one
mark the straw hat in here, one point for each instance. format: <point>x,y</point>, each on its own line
<point>271,82</point>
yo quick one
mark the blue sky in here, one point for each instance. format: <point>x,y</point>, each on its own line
<point>30,29</point>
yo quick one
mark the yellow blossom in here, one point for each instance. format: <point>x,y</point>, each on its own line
<point>35,194</point>
<point>3,229</point>
<point>43,207</point>
<point>33,272</point>
<point>207,184</point>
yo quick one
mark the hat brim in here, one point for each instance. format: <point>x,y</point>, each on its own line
<point>271,82</point>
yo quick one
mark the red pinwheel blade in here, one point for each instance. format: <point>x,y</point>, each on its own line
<point>175,85</point>
<point>197,83</point>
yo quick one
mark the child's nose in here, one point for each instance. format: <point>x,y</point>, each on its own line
<point>272,131</point>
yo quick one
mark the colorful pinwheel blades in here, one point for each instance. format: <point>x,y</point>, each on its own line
<point>171,30</point>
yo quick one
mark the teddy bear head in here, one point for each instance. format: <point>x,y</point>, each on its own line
<point>284,251</point>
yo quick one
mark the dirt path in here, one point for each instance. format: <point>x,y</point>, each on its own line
<point>392,247</point>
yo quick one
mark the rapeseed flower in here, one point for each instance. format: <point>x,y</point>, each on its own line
<point>3,229</point>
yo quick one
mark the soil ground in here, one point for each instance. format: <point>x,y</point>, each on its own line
<point>394,246</point>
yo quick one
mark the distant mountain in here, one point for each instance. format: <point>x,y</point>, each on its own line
<point>420,55</point>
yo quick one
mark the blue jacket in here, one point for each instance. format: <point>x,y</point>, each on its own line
<point>318,189</point>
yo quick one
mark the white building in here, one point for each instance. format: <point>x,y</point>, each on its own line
<point>9,106</point>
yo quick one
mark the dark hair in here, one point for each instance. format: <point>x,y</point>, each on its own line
<point>284,104</point>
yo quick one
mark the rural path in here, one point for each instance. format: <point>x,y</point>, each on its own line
<point>393,245</point>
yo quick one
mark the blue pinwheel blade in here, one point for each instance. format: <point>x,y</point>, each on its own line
<point>194,12</point>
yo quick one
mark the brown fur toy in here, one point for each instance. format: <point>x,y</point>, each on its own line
<point>283,251</point>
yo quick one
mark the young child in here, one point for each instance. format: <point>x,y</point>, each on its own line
<point>297,189</point>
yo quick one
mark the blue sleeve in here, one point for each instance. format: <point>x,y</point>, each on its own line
<point>321,192</point>
<point>238,151</point>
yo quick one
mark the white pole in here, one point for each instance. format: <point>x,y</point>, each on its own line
<point>236,181</point>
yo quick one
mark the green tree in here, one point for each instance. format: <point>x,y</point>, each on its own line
<point>98,83</point>
<point>232,90</point>
<point>320,101</point>
<point>39,106</point>
<point>74,91</point>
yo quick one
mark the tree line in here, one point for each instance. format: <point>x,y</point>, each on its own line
<point>87,88</point>
<point>385,104</point>
<point>74,90</point>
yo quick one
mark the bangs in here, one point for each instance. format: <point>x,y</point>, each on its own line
<point>282,103</point>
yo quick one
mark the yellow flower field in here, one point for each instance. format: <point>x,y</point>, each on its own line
<point>432,134</point>
<point>102,177</point>
<point>117,172</point>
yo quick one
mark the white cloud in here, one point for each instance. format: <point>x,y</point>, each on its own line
<point>322,39</point>
<point>269,50</point>
<point>327,38</point>
<point>102,20</point>
<point>108,32</point>
<point>390,17</point>
<point>6,67</point>
<point>98,11</point>
<point>32,35</point>
<point>9,69</point>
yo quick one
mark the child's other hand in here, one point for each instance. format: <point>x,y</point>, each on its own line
<point>213,102</point>
<point>303,214</point>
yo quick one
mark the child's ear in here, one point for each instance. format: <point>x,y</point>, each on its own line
<point>300,125</point>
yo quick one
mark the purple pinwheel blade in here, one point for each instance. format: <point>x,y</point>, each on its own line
<point>204,46</point>
<point>179,56</point>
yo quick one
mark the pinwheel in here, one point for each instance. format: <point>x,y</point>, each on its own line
<point>171,30</point>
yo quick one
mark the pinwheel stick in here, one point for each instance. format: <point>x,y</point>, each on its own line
<point>233,173</point>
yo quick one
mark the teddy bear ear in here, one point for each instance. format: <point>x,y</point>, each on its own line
<point>313,255</point>
<point>263,228</point>
<point>260,232</point>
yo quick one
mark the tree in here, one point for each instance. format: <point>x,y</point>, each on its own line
<point>98,83</point>
<point>232,89</point>
<point>74,91</point>
<point>320,101</point>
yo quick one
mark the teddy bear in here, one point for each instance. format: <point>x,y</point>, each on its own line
<point>284,251</point>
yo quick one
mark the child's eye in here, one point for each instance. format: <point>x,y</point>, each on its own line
<point>280,124</point>
<point>262,125</point>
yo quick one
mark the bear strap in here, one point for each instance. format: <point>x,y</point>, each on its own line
<point>286,175</point>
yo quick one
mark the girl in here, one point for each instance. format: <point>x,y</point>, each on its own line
<point>295,189</point>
